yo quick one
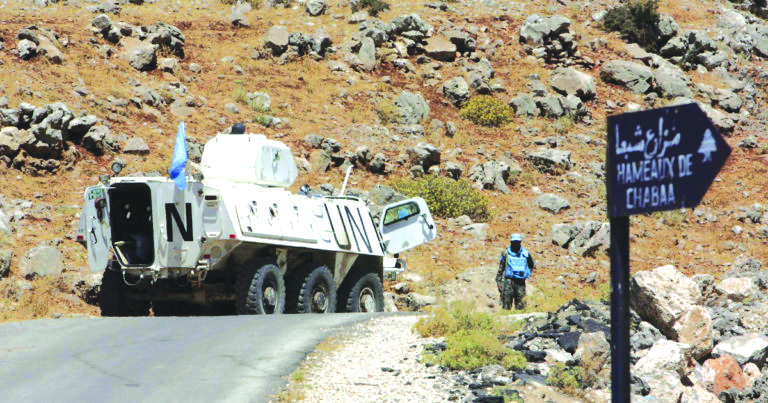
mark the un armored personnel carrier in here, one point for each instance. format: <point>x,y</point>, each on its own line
<point>237,237</point>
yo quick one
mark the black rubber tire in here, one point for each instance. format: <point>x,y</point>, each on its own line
<point>318,292</point>
<point>113,297</point>
<point>260,288</point>
<point>365,295</point>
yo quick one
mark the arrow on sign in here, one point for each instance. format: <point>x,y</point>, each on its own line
<point>661,159</point>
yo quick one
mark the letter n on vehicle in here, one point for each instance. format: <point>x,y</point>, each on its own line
<point>172,214</point>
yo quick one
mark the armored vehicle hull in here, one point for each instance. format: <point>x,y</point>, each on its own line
<point>222,245</point>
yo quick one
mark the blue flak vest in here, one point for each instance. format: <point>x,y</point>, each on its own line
<point>517,264</point>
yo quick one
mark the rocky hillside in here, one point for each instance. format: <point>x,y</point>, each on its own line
<point>511,97</point>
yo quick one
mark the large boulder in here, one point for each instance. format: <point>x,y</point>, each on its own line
<point>143,57</point>
<point>594,354</point>
<point>662,296</point>
<point>494,175</point>
<point>536,29</point>
<point>725,373</point>
<point>665,354</point>
<point>633,76</point>
<point>93,140</point>
<point>747,348</point>
<point>524,105</point>
<point>411,22</point>
<point>551,161</point>
<point>169,38</point>
<point>563,234</point>
<point>672,82</point>
<point>424,155</point>
<point>695,329</point>
<point>456,91</point>
<point>440,48</point>
<point>10,141</point>
<point>569,81</point>
<point>276,39</point>
<point>736,288</point>
<point>411,108</point>
<point>367,54</point>
<point>552,203</point>
<point>79,126</point>
<point>315,7</point>
<point>43,260</point>
<point>103,25</point>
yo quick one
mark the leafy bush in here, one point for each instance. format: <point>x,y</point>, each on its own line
<point>459,315</point>
<point>637,21</point>
<point>374,6</point>
<point>485,110</point>
<point>446,197</point>
<point>567,378</point>
<point>472,338</point>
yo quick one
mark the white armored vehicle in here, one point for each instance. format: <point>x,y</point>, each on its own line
<point>237,237</point>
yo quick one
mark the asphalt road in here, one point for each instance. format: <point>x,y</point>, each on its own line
<point>197,359</point>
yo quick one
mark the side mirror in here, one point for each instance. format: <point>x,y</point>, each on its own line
<point>117,166</point>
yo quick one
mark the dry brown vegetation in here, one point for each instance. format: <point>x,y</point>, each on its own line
<point>307,92</point>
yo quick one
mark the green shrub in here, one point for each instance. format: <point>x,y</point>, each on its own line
<point>459,315</point>
<point>240,94</point>
<point>374,6</point>
<point>637,21</point>
<point>446,197</point>
<point>566,378</point>
<point>485,110</point>
<point>472,338</point>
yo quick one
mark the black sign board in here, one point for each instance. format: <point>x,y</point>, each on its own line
<point>661,159</point>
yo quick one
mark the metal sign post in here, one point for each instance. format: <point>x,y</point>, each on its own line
<point>660,159</point>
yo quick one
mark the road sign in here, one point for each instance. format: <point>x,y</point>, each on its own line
<point>661,159</point>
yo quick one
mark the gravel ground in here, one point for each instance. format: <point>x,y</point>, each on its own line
<point>373,361</point>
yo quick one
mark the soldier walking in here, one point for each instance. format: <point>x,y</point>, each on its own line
<point>515,266</point>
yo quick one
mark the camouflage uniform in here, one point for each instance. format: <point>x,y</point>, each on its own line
<point>511,289</point>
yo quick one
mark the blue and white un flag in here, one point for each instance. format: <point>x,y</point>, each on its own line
<point>178,169</point>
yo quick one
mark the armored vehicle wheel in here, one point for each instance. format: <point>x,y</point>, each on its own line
<point>366,295</point>
<point>318,292</point>
<point>113,298</point>
<point>260,288</point>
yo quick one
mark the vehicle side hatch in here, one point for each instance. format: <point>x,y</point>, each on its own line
<point>98,235</point>
<point>406,224</point>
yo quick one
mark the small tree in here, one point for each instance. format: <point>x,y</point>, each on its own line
<point>637,21</point>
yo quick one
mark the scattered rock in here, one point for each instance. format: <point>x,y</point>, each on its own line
<point>144,57</point>
<point>747,348</point>
<point>662,296</point>
<point>552,203</point>
<point>5,262</point>
<point>40,261</point>
<point>276,40</point>
<point>569,81</point>
<point>412,108</point>
<point>550,161</point>
<point>440,48</point>
<point>456,91</point>
<point>635,77</point>
<point>315,7</point>
<point>726,374</point>
<point>136,145</point>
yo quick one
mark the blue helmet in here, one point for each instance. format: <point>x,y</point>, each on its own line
<point>515,237</point>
